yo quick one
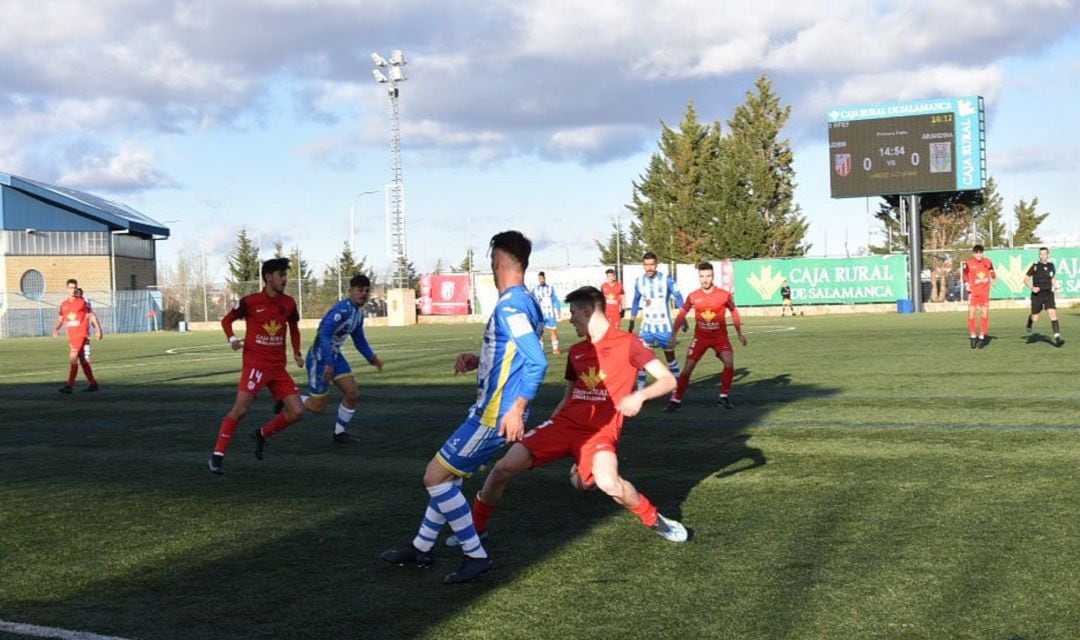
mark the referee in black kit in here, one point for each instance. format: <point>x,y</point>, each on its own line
<point>1040,279</point>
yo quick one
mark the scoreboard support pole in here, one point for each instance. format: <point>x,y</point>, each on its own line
<point>914,250</point>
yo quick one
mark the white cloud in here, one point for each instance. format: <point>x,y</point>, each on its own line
<point>131,168</point>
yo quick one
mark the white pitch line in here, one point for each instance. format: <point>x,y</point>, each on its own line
<point>51,632</point>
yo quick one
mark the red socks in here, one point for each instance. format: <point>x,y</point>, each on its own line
<point>481,512</point>
<point>645,510</point>
<point>224,439</point>
<point>680,387</point>
<point>726,376</point>
<point>72,373</point>
<point>985,325</point>
<point>279,423</point>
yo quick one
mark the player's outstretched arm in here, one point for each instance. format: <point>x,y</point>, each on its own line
<point>663,384</point>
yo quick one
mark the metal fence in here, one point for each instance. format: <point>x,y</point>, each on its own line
<point>118,312</point>
<point>210,302</point>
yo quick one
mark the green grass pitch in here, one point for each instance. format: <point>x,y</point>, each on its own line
<point>878,479</point>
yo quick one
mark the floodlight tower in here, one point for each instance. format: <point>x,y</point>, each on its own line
<point>396,229</point>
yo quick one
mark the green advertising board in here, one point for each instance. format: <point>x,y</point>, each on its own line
<point>1011,265</point>
<point>822,280</point>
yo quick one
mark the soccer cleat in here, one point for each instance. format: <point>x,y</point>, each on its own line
<point>453,541</point>
<point>65,389</point>
<point>344,437</point>
<point>260,443</point>
<point>1059,341</point>
<point>90,389</point>
<point>725,402</point>
<point>974,342</point>
<point>983,341</point>
<point>672,407</point>
<point>670,529</point>
<point>215,462</point>
<point>278,406</point>
<point>470,569</point>
<point>407,555</point>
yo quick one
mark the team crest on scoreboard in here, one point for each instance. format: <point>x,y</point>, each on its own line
<point>842,164</point>
<point>446,290</point>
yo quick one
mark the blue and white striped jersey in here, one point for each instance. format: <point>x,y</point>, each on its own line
<point>512,360</point>
<point>651,297</point>
<point>544,294</point>
<point>343,319</point>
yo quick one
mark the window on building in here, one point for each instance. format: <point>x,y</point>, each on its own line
<point>32,284</point>
<point>133,282</point>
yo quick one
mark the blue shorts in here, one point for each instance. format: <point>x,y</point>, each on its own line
<point>470,447</point>
<point>655,338</point>
<point>317,384</point>
<point>551,322</point>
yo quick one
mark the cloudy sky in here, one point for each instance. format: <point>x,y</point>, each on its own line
<point>212,115</point>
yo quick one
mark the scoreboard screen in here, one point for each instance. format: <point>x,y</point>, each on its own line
<point>907,148</point>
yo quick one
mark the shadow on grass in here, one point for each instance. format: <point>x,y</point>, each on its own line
<point>288,547</point>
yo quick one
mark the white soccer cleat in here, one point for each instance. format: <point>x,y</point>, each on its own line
<point>670,529</point>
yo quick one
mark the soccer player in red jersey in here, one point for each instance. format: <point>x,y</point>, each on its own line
<point>76,316</point>
<point>266,314</point>
<point>601,372</point>
<point>710,305</point>
<point>613,298</point>
<point>978,276</point>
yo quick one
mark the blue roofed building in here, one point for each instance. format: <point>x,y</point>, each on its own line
<point>50,233</point>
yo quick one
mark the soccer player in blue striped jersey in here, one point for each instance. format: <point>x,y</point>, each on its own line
<point>326,363</point>
<point>509,370</point>
<point>652,292</point>
<point>545,296</point>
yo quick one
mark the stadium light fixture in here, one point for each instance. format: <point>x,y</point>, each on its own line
<point>396,193</point>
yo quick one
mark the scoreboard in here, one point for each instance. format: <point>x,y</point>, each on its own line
<point>908,147</point>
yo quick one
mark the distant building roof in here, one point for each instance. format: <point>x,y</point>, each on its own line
<point>115,215</point>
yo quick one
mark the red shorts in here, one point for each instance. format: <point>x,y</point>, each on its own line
<point>701,345</point>
<point>254,377</point>
<point>613,316</point>
<point>979,299</point>
<point>559,438</point>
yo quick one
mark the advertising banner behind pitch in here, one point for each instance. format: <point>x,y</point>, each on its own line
<point>445,294</point>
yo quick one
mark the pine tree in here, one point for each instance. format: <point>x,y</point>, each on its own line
<point>672,201</point>
<point>989,230</point>
<point>336,276</point>
<point>244,266</point>
<point>439,267</point>
<point>467,265</point>
<point>757,182</point>
<point>627,248</point>
<point>1027,221</point>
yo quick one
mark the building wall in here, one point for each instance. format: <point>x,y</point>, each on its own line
<point>92,272</point>
<point>145,272</point>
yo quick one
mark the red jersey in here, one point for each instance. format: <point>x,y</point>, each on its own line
<point>267,317</point>
<point>603,373</point>
<point>710,311</point>
<point>612,296</point>
<point>979,274</point>
<point>76,314</point>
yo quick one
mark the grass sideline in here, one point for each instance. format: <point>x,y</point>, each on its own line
<point>878,479</point>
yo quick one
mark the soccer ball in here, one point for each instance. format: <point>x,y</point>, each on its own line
<point>575,481</point>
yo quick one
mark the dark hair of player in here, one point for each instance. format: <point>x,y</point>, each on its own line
<point>541,275</point>
<point>515,243</point>
<point>72,281</point>
<point>611,271</point>
<point>274,265</point>
<point>704,266</point>
<point>78,292</point>
<point>360,280</point>
<point>649,255</point>
<point>977,249</point>
<point>1046,249</point>
<point>587,296</point>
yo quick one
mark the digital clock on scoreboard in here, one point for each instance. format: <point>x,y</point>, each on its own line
<point>907,147</point>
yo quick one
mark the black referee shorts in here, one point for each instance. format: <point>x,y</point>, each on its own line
<point>1042,300</point>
